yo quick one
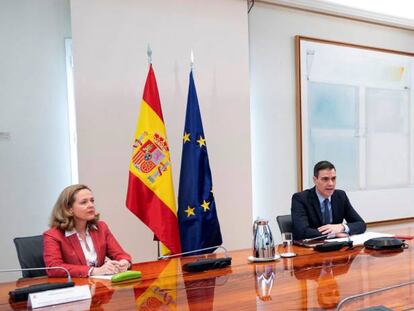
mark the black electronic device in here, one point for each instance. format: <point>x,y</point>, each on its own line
<point>332,246</point>
<point>385,243</point>
<point>21,294</point>
<point>204,264</point>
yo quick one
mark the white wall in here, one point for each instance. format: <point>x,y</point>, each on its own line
<point>110,40</point>
<point>34,161</point>
<point>272,85</point>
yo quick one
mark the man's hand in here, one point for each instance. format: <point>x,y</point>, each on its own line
<point>331,229</point>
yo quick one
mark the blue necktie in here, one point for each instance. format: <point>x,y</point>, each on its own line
<point>325,212</point>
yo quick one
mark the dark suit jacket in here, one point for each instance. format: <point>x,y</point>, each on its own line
<point>62,251</point>
<point>307,216</point>
<point>305,270</point>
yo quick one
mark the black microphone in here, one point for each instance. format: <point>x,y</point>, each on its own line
<point>203,264</point>
<point>334,246</point>
<point>21,294</point>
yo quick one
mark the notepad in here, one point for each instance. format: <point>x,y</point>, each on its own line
<point>359,239</point>
<point>102,277</point>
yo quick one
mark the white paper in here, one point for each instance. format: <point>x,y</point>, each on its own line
<point>69,306</point>
<point>58,296</point>
<point>359,239</point>
<point>102,277</point>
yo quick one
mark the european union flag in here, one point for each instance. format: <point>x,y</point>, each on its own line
<point>197,216</point>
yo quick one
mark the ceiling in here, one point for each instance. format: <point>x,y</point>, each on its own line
<point>397,8</point>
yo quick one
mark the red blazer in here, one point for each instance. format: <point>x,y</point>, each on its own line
<point>62,251</point>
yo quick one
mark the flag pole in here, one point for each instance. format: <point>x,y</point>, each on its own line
<point>158,246</point>
<point>149,55</point>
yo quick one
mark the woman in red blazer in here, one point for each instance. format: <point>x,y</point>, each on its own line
<point>78,241</point>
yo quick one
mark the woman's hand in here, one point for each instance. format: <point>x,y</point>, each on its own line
<point>109,267</point>
<point>123,265</point>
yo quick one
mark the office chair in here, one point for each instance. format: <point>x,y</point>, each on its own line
<point>30,254</point>
<point>285,223</point>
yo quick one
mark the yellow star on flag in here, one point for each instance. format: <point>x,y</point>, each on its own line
<point>205,205</point>
<point>190,211</point>
<point>186,137</point>
<point>201,141</point>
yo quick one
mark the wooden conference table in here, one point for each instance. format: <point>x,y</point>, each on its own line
<point>310,281</point>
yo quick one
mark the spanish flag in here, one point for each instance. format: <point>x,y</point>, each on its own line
<point>150,189</point>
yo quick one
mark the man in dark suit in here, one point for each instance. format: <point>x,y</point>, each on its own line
<point>323,209</point>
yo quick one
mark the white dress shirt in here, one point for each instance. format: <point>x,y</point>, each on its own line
<point>87,247</point>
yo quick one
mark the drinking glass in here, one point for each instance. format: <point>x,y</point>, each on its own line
<point>287,240</point>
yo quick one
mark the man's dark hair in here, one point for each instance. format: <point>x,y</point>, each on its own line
<point>322,165</point>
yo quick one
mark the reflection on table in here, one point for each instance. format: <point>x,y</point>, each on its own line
<point>311,280</point>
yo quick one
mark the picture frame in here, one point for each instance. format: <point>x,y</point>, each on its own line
<point>355,109</point>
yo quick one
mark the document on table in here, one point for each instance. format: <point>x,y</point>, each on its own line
<point>359,239</point>
<point>102,277</point>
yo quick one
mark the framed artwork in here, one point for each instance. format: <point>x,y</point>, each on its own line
<point>355,109</point>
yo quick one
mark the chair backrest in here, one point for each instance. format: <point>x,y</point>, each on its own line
<point>30,254</point>
<point>285,223</point>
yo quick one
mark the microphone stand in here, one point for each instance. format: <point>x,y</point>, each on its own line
<point>21,294</point>
<point>315,238</point>
<point>195,251</point>
<point>36,269</point>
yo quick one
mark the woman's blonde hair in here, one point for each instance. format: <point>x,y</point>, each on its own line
<point>61,216</point>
